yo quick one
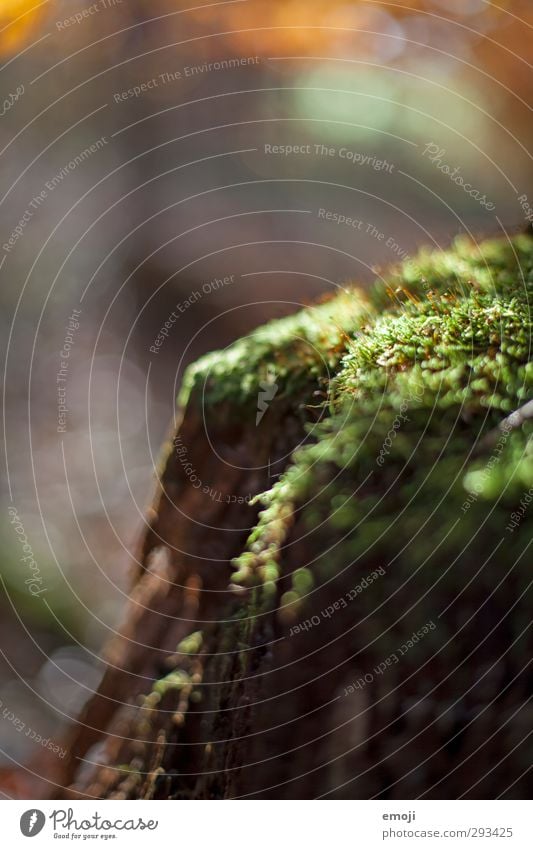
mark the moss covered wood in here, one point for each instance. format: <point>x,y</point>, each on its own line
<point>337,601</point>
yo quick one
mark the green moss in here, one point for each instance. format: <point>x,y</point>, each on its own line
<point>491,266</point>
<point>295,350</point>
<point>474,350</point>
<point>191,644</point>
<point>175,680</point>
<point>410,402</point>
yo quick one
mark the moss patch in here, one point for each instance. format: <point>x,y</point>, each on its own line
<point>296,350</point>
<point>410,402</point>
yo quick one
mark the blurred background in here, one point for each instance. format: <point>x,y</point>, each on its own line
<point>199,159</point>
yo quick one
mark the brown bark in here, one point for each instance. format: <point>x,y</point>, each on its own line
<point>270,722</point>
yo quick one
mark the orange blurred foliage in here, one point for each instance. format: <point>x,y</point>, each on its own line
<point>19,20</point>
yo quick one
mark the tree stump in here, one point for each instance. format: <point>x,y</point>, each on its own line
<point>333,597</point>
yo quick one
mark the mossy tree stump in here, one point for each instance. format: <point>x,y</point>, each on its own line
<point>361,629</point>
